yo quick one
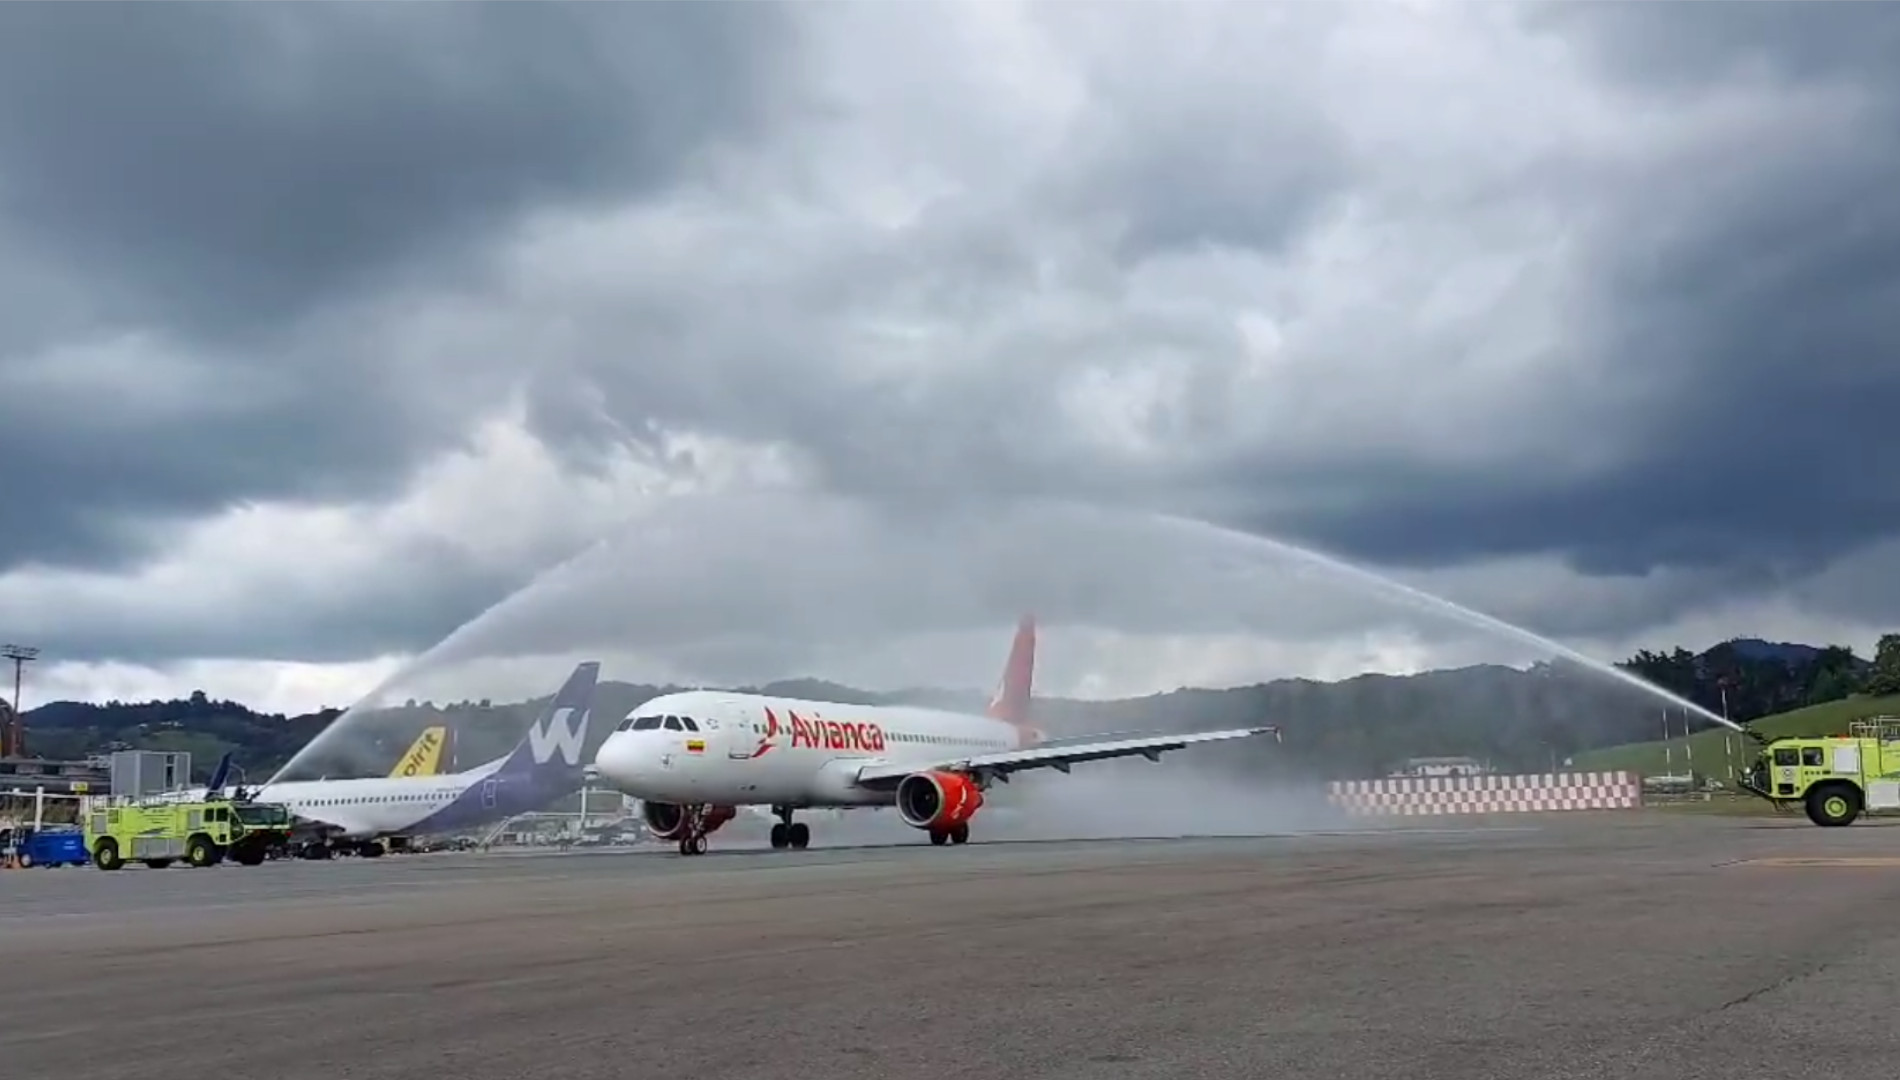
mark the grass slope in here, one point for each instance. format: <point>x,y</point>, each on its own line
<point>1710,750</point>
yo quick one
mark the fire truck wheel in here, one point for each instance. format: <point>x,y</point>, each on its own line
<point>1833,804</point>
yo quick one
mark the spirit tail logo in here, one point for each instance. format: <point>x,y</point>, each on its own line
<point>425,754</point>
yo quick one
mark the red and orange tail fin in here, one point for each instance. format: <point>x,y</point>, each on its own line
<point>1019,675</point>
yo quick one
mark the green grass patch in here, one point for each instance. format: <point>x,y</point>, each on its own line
<point>1711,752</point>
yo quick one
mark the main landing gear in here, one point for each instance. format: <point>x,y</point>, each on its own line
<point>955,834</point>
<point>788,833</point>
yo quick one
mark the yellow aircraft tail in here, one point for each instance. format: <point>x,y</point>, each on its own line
<point>424,756</point>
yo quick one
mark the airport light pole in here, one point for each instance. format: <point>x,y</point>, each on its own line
<point>21,655</point>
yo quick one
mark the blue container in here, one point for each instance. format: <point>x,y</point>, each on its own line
<point>53,847</point>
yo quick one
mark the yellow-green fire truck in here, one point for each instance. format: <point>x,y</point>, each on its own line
<point>203,832</point>
<point>1835,778</point>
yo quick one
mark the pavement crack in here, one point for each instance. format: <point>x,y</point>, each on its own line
<point>1779,984</point>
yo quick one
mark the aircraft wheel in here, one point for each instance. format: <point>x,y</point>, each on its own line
<point>799,835</point>
<point>699,845</point>
<point>686,845</point>
<point>779,836</point>
<point>939,838</point>
<point>960,834</point>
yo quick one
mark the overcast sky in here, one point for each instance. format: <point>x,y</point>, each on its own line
<point>325,328</point>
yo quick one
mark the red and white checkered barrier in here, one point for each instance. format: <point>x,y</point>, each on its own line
<point>1425,795</point>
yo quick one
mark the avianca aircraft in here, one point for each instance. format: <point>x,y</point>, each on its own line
<point>545,766</point>
<point>693,758</point>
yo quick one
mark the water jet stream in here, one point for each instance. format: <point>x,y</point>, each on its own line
<point>1003,544</point>
<point>1419,598</point>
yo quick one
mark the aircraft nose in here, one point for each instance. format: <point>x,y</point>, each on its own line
<point>618,759</point>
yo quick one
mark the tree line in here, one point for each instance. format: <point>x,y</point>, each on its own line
<point>1531,719</point>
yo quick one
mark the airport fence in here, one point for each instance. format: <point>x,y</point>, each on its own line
<point>1527,793</point>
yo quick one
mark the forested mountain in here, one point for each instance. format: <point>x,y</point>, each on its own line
<point>1516,718</point>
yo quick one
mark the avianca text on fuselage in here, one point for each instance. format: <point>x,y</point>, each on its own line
<point>821,734</point>
<point>693,757</point>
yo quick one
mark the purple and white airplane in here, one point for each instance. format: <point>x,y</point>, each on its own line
<point>362,814</point>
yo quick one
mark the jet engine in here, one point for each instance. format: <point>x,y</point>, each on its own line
<point>937,801</point>
<point>667,821</point>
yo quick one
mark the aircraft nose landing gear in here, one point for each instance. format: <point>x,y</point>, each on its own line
<point>697,823</point>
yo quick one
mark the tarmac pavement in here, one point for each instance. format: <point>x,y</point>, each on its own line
<point>1586,945</point>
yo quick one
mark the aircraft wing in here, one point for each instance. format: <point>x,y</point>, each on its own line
<point>1059,756</point>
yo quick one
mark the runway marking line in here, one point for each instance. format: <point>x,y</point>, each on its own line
<point>1866,862</point>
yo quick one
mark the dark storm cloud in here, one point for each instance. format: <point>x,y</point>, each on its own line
<point>1253,192</point>
<point>1683,47</point>
<point>1753,283</point>
<point>438,591</point>
<point>236,165</point>
<point>925,312</point>
<point>226,177</point>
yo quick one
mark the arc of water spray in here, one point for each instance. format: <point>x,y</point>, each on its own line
<point>430,657</point>
<point>1415,597</point>
<point>1438,604</point>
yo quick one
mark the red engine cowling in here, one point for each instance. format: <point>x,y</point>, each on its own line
<point>667,821</point>
<point>938,801</point>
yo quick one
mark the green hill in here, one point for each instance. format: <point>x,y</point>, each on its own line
<point>1713,749</point>
<point>1516,719</point>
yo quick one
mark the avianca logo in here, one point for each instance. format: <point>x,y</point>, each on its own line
<point>818,734</point>
<point>557,734</point>
<point>835,734</point>
<point>768,740</point>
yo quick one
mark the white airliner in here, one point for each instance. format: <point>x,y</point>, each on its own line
<point>359,814</point>
<point>693,758</point>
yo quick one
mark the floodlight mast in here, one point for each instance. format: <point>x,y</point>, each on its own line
<point>13,738</point>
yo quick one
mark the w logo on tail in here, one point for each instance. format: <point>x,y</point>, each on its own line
<point>558,732</point>
<point>562,730</point>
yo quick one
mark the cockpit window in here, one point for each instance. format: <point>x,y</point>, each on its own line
<point>688,721</point>
<point>646,723</point>
<point>672,723</point>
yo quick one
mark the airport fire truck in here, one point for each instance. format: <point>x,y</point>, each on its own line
<point>203,833</point>
<point>1835,778</point>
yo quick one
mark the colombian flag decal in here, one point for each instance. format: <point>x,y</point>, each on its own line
<point>695,746</point>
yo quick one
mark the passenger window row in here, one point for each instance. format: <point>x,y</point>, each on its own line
<point>358,800</point>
